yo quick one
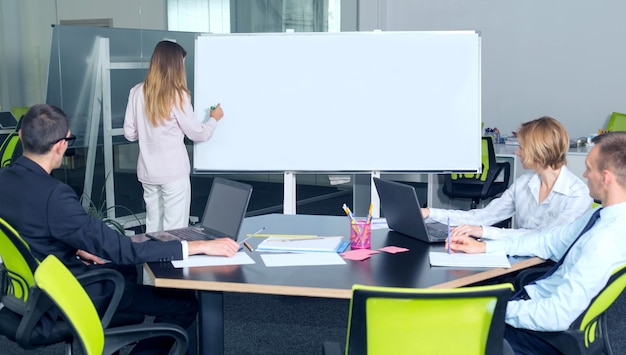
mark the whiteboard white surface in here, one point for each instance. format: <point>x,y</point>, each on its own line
<point>359,101</point>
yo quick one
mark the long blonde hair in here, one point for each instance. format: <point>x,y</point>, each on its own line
<point>166,82</point>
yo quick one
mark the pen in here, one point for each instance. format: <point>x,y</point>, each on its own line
<point>292,236</point>
<point>247,246</point>
<point>293,239</point>
<point>369,214</point>
<point>213,107</point>
<point>252,235</point>
<point>449,252</point>
<point>352,220</point>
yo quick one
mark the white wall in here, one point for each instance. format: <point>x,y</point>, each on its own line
<point>560,58</point>
<point>26,29</point>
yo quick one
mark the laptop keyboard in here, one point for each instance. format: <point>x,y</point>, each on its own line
<point>436,234</point>
<point>190,234</point>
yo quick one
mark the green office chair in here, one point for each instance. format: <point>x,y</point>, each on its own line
<point>482,185</point>
<point>55,285</point>
<point>11,147</point>
<point>386,320</point>
<point>588,334</point>
<point>17,274</point>
<point>617,122</point>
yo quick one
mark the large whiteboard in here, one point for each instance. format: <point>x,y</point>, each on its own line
<point>358,101</point>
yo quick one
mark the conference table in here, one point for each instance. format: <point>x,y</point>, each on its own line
<point>405,269</point>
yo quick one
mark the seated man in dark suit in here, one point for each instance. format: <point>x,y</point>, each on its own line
<point>48,215</point>
<point>587,251</point>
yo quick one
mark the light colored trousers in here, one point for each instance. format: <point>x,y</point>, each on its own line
<point>167,206</point>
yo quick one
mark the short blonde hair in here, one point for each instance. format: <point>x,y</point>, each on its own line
<point>545,143</point>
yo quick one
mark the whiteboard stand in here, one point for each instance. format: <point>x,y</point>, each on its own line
<point>102,103</point>
<point>289,188</point>
<point>364,193</point>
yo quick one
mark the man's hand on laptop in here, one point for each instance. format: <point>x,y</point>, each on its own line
<point>466,244</point>
<point>465,229</point>
<point>220,247</point>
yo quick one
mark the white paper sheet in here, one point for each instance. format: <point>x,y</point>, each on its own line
<point>240,258</point>
<point>302,259</point>
<point>495,259</point>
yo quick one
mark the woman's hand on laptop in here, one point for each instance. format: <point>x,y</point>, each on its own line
<point>466,229</point>
<point>465,244</point>
<point>219,247</point>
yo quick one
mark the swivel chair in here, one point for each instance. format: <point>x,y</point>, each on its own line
<point>56,286</point>
<point>16,281</point>
<point>388,320</point>
<point>482,185</point>
<point>588,334</point>
<point>11,147</point>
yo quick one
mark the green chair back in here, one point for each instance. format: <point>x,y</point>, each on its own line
<point>386,320</point>
<point>591,319</point>
<point>617,122</point>
<point>19,266</point>
<point>8,148</point>
<point>588,334</point>
<point>56,281</point>
<point>487,145</point>
<point>19,111</point>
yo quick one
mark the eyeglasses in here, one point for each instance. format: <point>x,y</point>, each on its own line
<point>70,140</point>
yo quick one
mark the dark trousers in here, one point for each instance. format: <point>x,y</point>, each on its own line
<point>524,343</point>
<point>173,306</point>
<point>166,305</point>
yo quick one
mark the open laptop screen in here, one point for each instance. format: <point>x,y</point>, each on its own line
<point>226,206</point>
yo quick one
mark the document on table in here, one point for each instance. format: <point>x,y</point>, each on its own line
<point>302,259</point>
<point>495,259</point>
<point>240,258</point>
<point>315,244</point>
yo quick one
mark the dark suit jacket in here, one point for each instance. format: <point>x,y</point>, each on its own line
<point>48,215</point>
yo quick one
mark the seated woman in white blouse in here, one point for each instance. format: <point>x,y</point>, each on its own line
<point>550,196</point>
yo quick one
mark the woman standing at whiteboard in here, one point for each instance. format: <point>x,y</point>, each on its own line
<point>549,196</point>
<point>159,114</point>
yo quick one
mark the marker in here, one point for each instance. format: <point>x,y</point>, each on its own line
<point>213,108</point>
<point>449,251</point>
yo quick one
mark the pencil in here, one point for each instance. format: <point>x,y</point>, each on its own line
<point>248,246</point>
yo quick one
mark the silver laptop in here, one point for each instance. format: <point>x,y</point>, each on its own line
<point>223,215</point>
<point>402,210</point>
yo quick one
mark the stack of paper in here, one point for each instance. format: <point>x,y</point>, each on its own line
<point>316,244</point>
<point>495,259</point>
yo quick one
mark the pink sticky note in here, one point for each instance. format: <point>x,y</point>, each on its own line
<point>393,249</point>
<point>358,254</point>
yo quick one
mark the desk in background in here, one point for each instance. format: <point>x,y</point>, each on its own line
<point>408,269</point>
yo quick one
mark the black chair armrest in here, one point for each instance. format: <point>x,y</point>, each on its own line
<point>493,174</point>
<point>116,338</point>
<point>109,275</point>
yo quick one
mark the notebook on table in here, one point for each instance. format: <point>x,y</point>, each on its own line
<point>223,215</point>
<point>401,208</point>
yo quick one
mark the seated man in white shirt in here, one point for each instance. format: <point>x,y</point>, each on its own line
<point>586,250</point>
<point>549,196</point>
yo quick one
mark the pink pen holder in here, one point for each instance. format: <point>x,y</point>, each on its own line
<point>360,235</point>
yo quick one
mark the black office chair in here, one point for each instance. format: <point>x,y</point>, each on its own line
<point>482,185</point>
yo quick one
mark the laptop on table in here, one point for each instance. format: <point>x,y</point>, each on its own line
<point>223,215</point>
<point>402,209</point>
